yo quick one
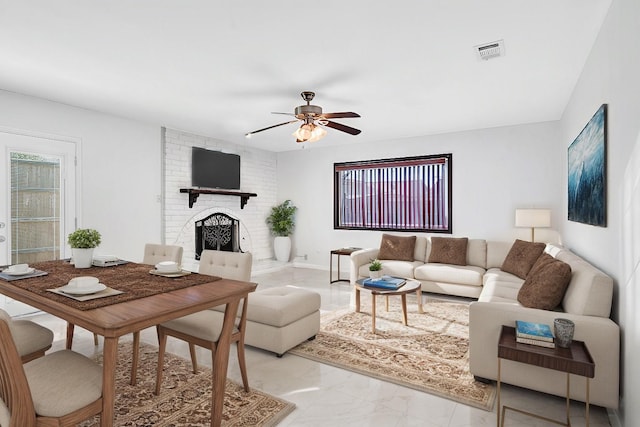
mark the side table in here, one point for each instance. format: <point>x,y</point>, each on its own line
<point>573,360</point>
<point>409,287</point>
<point>338,252</point>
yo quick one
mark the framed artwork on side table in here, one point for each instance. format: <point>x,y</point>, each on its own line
<point>587,185</point>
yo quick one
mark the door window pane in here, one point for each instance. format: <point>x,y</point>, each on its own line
<point>35,208</point>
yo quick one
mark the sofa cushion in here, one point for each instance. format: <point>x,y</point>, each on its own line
<point>477,252</point>
<point>497,253</point>
<point>449,250</point>
<point>590,291</point>
<point>393,268</point>
<point>501,291</point>
<point>450,273</point>
<point>521,257</point>
<point>399,248</point>
<point>545,284</point>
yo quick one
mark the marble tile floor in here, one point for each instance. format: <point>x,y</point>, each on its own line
<point>329,396</point>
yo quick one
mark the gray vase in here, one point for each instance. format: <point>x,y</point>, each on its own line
<point>563,330</point>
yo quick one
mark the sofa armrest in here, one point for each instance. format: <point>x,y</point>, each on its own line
<point>360,258</point>
<point>601,335</point>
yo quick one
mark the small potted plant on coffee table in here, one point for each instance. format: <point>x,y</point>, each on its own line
<point>82,242</point>
<point>375,269</point>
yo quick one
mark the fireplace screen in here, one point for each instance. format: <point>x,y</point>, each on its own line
<point>218,232</point>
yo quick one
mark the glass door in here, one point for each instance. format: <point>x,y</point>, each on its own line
<point>37,190</point>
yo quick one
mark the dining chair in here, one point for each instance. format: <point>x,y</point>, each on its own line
<point>203,328</point>
<point>58,389</point>
<point>31,339</point>
<point>153,254</point>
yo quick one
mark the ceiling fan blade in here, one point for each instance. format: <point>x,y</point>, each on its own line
<point>287,114</point>
<point>344,115</point>
<point>341,127</point>
<point>270,127</point>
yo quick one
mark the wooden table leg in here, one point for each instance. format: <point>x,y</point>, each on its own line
<point>110,359</point>
<point>404,309</point>
<point>70,328</point>
<point>498,396</point>
<point>357,291</point>
<point>221,362</point>
<point>134,358</point>
<point>587,404</point>
<point>373,313</point>
<point>419,295</point>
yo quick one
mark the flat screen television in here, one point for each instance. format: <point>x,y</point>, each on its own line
<point>214,169</point>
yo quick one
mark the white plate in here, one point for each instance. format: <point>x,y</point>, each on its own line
<point>85,290</point>
<point>18,273</point>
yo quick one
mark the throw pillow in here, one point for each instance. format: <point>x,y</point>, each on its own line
<point>449,250</point>
<point>521,257</point>
<point>545,284</point>
<point>398,248</point>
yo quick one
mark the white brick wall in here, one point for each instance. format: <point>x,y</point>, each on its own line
<point>257,175</point>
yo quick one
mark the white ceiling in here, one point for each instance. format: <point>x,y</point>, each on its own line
<point>220,67</point>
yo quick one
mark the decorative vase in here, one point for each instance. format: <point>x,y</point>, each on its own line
<point>282,248</point>
<point>563,330</point>
<point>82,257</point>
<point>375,274</point>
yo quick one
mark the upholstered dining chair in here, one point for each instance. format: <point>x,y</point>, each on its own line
<point>203,328</point>
<point>153,254</point>
<point>61,389</point>
<point>31,339</point>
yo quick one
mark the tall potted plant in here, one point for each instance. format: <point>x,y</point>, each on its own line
<point>281,223</point>
<point>82,242</point>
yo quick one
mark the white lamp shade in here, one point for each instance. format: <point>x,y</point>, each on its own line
<point>538,218</point>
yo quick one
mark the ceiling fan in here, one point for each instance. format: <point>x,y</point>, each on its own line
<point>313,121</point>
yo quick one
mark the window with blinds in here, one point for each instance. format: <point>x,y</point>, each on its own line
<point>403,194</point>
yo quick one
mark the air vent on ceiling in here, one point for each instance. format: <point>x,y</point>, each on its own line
<point>490,50</point>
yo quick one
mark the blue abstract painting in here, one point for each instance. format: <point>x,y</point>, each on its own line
<point>587,172</point>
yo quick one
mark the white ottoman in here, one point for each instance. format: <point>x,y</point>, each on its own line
<point>281,318</point>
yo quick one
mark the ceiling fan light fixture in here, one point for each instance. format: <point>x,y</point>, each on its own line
<point>309,132</point>
<point>317,134</point>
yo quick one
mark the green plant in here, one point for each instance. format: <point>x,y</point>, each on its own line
<point>375,265</point>
<point>281,219</point>
<point>84,238</point>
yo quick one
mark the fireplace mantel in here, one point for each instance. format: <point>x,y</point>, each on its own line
<point>195,192</point>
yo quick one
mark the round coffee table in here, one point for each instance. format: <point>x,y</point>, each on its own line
<point>409,287</point>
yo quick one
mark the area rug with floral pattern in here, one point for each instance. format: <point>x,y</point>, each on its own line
<point>185,398</point>
<point>431,354</point>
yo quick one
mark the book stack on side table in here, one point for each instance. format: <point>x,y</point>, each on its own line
<point>534,333</point>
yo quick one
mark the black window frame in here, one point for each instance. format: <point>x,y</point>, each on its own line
<point>398,162</point>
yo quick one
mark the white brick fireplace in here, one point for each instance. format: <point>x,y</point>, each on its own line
<point>257,175</point>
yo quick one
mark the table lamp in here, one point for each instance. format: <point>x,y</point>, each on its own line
<point>533,218</point>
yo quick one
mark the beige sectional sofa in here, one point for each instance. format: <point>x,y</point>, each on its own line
<point>587,302</point>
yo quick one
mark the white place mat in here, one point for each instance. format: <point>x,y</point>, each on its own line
<point>176,274</point>
<point>10,277</point>
<point>103,293</point>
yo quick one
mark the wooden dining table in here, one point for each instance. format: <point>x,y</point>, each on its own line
<point>135,314</point>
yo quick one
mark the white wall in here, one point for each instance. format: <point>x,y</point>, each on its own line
<point>119,168</point>
<point>257,175</point>
<point>611,76</point>
<point>495,171</point>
